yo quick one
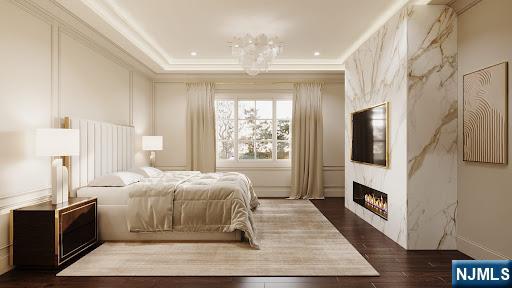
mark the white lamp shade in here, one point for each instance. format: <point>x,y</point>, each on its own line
<point>57,142</point>
<point>152,143</point>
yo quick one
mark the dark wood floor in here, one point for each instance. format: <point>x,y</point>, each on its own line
<point>397,266</point>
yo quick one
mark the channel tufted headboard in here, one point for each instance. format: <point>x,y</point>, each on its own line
<point>104,148</point>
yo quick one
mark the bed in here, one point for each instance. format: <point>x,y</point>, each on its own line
<point>176,206</point>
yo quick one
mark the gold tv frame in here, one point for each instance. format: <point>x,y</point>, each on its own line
<point>386,105</point>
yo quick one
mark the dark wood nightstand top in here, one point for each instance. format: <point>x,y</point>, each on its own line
<point>48,206</point>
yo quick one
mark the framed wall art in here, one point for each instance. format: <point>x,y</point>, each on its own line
<point>485,115</point>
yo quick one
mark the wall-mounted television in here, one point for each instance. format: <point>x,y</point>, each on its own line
<point>370,135</point>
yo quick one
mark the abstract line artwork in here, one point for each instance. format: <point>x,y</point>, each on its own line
<point>485,115</point>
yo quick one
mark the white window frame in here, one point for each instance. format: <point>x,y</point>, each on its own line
<point>259,163</point>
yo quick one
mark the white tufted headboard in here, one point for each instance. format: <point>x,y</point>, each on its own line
<point>104,148</point>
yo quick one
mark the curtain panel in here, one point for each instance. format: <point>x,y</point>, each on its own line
<point>201,126</point>
<point>307,142</point>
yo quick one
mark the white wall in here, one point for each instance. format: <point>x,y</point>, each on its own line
<point>50,71</point>
<point>26,103</point>
<point>142,114</point>
<point>484,190</point>
<point>170,122</point>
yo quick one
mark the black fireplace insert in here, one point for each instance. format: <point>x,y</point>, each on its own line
<point>371,199</point>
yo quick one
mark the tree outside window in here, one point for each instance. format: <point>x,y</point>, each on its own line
<point>262,129</point>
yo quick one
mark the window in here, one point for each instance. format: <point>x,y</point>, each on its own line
<point>253,129</point>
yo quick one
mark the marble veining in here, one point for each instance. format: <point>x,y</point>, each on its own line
<point>432,127</point>
<point>376,73</point>
<point>411,62</point>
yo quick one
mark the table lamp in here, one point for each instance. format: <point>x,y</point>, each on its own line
<point>152,143</point>
<point>57,143</point>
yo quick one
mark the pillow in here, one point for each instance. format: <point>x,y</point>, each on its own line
<point>117,179</point>
<point>148,172</point>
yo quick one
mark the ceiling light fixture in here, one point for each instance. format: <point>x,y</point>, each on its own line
<point>316,53</point>
<point>255,54</point>
<point>193,53</point>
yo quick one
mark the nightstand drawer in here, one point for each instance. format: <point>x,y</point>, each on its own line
<point>77,229</point>
<point>47,235</point>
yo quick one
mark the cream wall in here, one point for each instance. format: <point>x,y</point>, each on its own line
<point>484,191</point>
<point>170,122</point>
<point>142,114</point>
<point>51,70</point>
<point>333,109</point>
<point>92,85</point>
<point>26,103</point>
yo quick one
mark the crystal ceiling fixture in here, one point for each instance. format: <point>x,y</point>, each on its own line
<point>255,54</point>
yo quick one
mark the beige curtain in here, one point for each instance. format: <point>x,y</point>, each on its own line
<point>201,126</point>
<point>307,151</point>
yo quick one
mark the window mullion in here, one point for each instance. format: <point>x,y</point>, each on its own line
<point>274,130</point>
<point>254,132</point>
<point>236,128</point>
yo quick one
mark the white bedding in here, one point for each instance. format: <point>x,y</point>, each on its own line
<point>179,201</point>
<point>106,195</point>
<point>119,195</point>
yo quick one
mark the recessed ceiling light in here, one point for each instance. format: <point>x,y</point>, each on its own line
<point>316,53</point>
<point>193,53</point>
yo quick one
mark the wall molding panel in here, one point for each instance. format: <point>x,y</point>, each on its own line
<point>12,201</point>
<point>56,14</point>
<point>46,37</point>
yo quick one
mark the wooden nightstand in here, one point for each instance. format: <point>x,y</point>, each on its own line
<point>47,235</point>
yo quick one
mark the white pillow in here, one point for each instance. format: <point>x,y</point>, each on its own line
<point>117,179</point>
<point>148,172</point>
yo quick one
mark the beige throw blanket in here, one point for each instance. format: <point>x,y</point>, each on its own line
<point>194,202</point>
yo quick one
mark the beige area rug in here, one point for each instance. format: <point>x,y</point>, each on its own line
<point>295,240</point>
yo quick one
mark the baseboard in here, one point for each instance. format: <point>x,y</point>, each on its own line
<point>477,251</point>
<point>334,191</point>
<point>283,192</point>
<point>12,201</point>
<point>271,192</point>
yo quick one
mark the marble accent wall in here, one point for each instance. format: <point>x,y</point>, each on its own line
<point>431,127</point>
<point>377,73</point>
<point>411,63</point>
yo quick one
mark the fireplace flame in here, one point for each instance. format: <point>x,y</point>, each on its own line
<point>376,202</point>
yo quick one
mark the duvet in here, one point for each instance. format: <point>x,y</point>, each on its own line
<point>193,202</point>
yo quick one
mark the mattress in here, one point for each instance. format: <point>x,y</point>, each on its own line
<point>106,195</point>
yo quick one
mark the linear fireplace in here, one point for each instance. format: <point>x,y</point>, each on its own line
<point>371,199</point>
